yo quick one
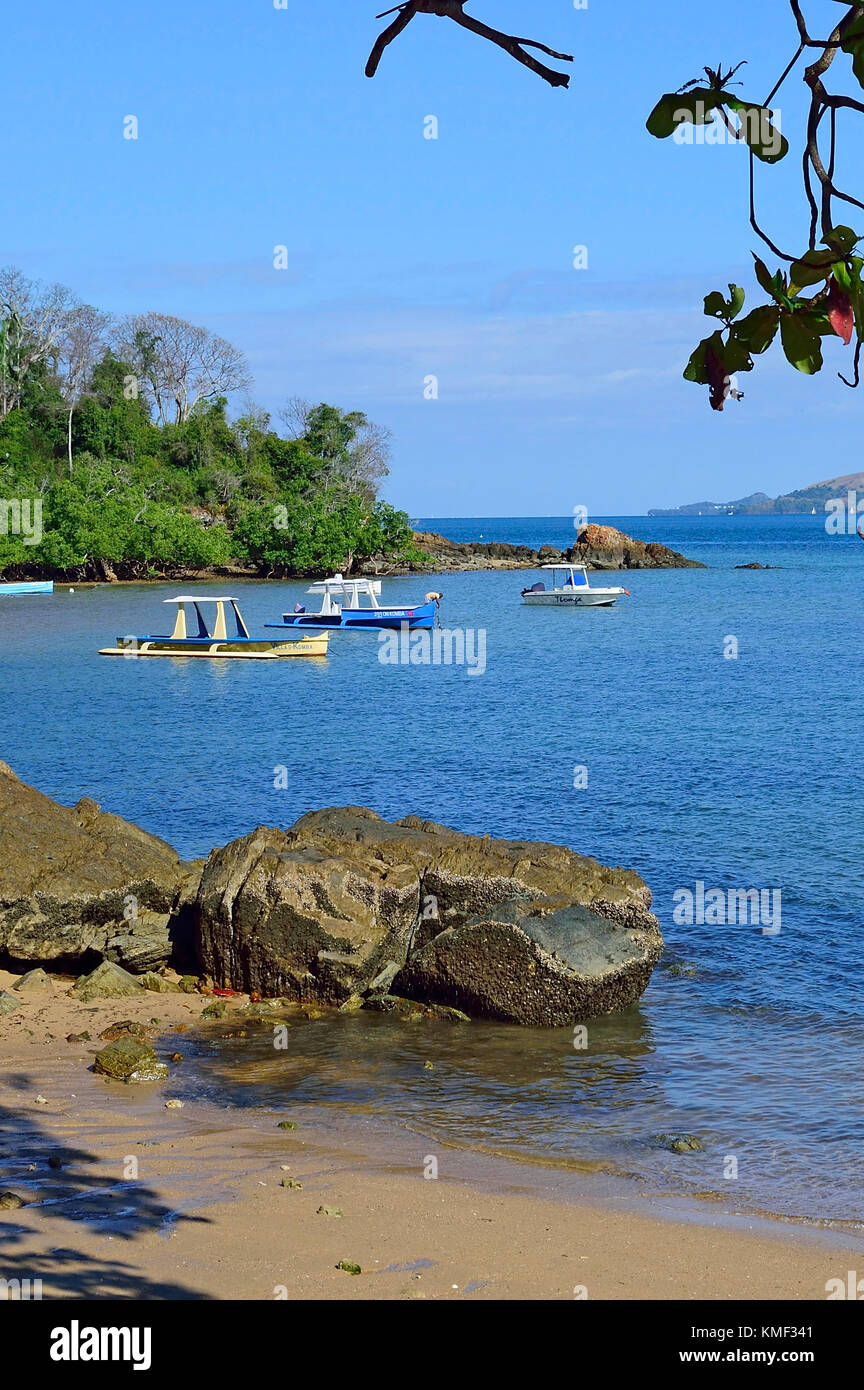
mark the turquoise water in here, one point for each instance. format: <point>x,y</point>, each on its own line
<point>737,773</point>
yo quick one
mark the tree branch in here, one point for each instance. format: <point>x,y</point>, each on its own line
<point>454,9</point>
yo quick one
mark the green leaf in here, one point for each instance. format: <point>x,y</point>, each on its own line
<point>736,355</point>
<point>737,297</point>
<point>813,267</point>
<point>763,137</point>
<point>680,108</point>
<point>764,276</point>
<point>841,239</point>
<point>853,43</point>
<point>696,369</point>
<point>759,328</point>
<point>801,343</point>
<point>716,306</point>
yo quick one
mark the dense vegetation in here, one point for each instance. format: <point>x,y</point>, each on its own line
<point>123,435</point>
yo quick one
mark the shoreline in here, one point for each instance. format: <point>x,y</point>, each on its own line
<point>598,548</point>
<point>205,1218</point>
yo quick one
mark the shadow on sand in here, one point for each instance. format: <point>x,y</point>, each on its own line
<point>54,1180</point>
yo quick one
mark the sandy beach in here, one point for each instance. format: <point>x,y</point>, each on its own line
<point>128,1198</point>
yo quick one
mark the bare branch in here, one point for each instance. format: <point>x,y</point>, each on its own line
<point>454,9</point>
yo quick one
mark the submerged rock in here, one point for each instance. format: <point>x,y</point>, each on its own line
<point>129,1060</point>
<point>73,878</point>
<point>412,1008</point>
<point>107,981</point>
<point>516,930</point>
<point>681,1143</point>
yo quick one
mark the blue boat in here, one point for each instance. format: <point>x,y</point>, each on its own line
<point>35,586</point>
<point>342,608</point>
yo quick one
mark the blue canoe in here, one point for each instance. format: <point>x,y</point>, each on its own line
<point>35,586</point>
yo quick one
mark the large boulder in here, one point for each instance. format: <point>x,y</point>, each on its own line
<point>519,963</point>
<point>74,879</point>
<point>605,548</point>
<point>319,911</point>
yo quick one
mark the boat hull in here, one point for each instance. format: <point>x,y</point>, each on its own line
<point>35,586</point>
<point>218,650</point>
<point>588,598</point>
<point>362,619</point>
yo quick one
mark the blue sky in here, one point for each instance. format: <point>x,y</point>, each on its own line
<point>410,257</point>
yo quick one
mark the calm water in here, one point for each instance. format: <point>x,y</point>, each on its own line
<point>739,773</point>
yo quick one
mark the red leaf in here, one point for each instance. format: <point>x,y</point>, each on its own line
<point>840,314</point>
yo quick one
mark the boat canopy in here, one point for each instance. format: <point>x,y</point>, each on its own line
<point>220,631</point>
<point>349,590</point>
<point>577,576</point>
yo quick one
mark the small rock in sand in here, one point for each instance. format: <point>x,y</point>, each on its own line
<point>32,982</point>
<point>129,1060</point>
<point>8,1003</point>
<point>173,1105</point>
<point>126,1028</point>
<point>10,1201</point>
<point>107,981</point>
<point>329,1211</point>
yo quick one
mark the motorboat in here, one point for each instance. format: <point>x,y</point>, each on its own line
<point>193,635</point>
<point>353,603</point>
<point>569,588</point>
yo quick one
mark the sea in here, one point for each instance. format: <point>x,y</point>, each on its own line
<point>704,732</point>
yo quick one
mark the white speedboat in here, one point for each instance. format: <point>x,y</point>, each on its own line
<point>569,588</point>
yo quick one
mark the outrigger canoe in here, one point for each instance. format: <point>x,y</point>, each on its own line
<point>193,637</point>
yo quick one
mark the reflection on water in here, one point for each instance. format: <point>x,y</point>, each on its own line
<point>530,1094</point>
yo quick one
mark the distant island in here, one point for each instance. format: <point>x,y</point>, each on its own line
<point>806,499</point>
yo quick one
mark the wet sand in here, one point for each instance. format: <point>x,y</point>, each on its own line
<point>159,1203</point>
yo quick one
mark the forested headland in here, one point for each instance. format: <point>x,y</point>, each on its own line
<point>119,457</point>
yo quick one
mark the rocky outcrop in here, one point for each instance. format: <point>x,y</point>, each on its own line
<point>605,548</point>
<point>325,910</point>
<point>409,918</point>
<point>596,547</point>
<point>76,883</point>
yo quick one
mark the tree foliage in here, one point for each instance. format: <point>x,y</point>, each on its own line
<point>134,482</point>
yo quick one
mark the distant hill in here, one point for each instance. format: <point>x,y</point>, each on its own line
<point>805,499</point>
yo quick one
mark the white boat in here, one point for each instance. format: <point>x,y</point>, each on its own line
<point>569,588</point>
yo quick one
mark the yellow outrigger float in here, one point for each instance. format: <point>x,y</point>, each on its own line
<point>215,643</point>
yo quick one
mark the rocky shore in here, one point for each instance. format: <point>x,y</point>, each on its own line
<point>343,910</point>
<point>596,547</point>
